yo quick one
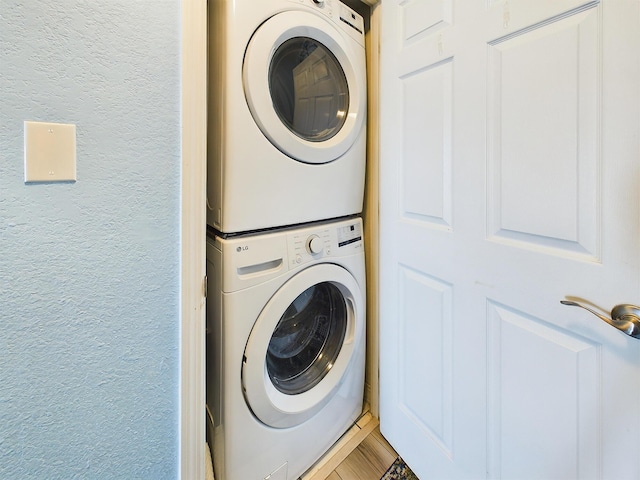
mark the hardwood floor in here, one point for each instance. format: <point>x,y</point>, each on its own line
<point>369,461</point>
<point>361,454</point>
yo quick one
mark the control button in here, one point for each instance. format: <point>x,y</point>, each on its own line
<point>314,244</point>
<point>298,258</point>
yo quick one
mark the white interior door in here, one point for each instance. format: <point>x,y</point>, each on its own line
<point>509,180</point>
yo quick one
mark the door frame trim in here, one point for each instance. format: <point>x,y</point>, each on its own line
<point>193,112</point>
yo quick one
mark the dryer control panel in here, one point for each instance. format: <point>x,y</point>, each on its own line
<point>323,241</point>
<point>344,17</point>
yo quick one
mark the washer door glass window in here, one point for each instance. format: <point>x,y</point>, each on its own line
<point>307,339</point>
<point>302,345</point>
<point>309,89</point>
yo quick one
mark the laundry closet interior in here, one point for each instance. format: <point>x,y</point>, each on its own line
<point>507,140</point>
<point>502,141</point>
<point>290,337</point>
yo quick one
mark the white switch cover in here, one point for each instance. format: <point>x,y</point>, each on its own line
<point>49,152</point>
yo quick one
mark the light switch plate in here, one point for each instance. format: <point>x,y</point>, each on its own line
<point>49,152</point>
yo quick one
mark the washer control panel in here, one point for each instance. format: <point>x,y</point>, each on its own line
<point>349,234</point>
<point>324,241</point>
<point>315,245</point>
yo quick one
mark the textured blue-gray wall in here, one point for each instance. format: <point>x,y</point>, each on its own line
<point>89,271</point>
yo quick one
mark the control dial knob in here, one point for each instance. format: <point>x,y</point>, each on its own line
<point>314,244</point>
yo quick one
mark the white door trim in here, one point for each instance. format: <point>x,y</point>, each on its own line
<point>193,93</point>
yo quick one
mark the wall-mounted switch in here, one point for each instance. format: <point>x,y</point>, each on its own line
<point>49,152</point>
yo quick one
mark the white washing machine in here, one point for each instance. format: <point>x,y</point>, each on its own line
<point>285,347</point>
<point>287,110</point>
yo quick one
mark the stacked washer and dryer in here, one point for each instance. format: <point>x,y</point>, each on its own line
<point>285,254</point>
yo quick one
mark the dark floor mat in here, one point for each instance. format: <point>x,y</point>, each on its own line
<point>399,471</point>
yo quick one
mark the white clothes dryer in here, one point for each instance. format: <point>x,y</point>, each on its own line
<point>285,347</point>
<point>287,111</point>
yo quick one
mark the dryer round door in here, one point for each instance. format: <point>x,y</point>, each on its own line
<point>301,345</point>
<point>303,88</point>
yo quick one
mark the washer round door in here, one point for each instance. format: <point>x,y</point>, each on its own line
<point>301,345</point>
<point>302,87</point>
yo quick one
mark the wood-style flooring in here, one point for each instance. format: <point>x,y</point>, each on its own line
<point>369,461</point>
<point>362,453</point>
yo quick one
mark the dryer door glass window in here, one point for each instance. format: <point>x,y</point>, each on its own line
<point>309,89</point>
<point>307,339</point>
